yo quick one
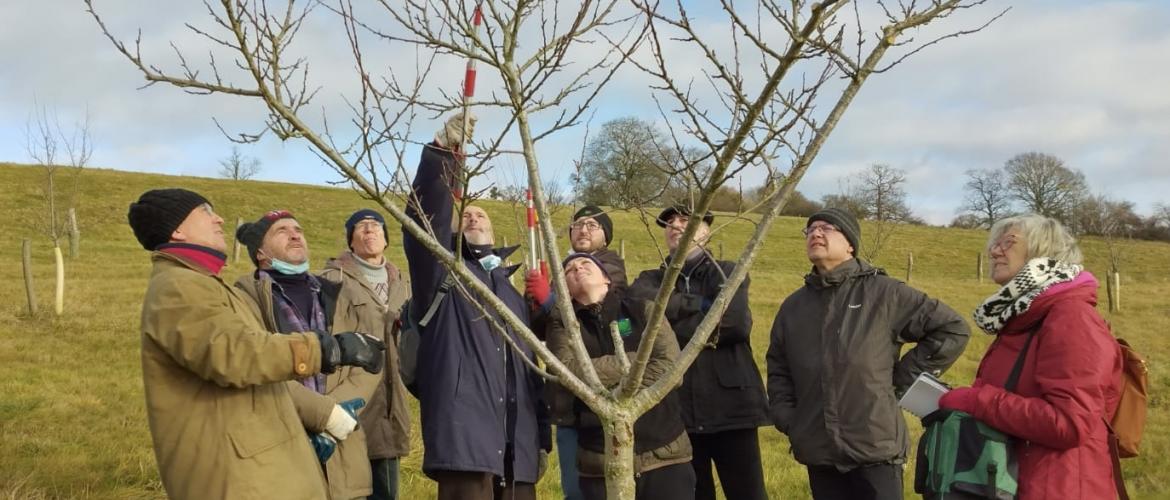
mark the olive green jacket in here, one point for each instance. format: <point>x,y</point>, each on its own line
<point>386,418</point>
<point>348,469</point>
<point>221,415</point>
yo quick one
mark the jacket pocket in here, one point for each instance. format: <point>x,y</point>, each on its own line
<point>252,439</point>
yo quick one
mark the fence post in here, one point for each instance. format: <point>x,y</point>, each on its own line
<point>909,265</point>
<point>1117,290</point>
<point>622,249</point>
<point>236,247</point>
<point>74,235</point>
<point>979,266</point>
<point>59,293</point>
<point>26,260</point>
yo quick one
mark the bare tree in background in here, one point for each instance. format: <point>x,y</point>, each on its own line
<point>986,196</point>
<point>751,109</point>
<point>1044,185</point>
<point>238,167</point>
<point>47,144</point>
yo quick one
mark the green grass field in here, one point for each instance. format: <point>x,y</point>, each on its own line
<point>72,419</point>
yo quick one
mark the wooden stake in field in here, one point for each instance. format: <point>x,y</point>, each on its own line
<point>979,267</point>
<point>909,265</point>
<point>74,235</point>
<point>236,247</point>
<point>622,249</point>
<point>1115,277</point>
<point>26,261</point>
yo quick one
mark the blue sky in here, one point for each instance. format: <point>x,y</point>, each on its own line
<point>1085,81</point>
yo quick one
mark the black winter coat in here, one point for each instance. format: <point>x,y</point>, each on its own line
<point>473,392</point>
<point>835,363</point>
<point>723,389</point>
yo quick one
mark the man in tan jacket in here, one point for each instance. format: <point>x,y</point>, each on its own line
<point>293,300</point>
<point>372,294</point>
<point>217,398</point>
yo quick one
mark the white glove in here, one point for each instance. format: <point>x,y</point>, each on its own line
<point>451,135</point>
<point>340,424</point>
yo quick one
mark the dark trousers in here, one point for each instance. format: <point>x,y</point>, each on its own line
<point>385,472</point>
<point>458,485</point>
<point>673,482</point>
<point>870,482</point>
<point>736,454</point>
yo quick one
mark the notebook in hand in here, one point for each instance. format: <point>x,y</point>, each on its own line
<point>921,398</point>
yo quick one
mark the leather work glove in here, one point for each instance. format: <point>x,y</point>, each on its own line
<point>342,421</point>
<point>541,465</point>
<point>351,349</point>
<point>323,445</point>
<point>536,286</point>
<point>451,135</point>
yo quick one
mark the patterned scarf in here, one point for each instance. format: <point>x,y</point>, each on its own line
<point>1017,295</point>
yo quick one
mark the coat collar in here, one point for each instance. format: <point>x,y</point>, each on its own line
<point>850,269</point>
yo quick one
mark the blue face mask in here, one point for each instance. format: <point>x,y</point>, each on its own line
<point>287,269</point>
<point>488,262</point>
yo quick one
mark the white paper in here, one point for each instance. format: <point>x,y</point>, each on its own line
<point>921,398</point>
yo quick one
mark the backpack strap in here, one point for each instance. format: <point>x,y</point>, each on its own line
<point>1014,377</point>
<point>1115,455</point>
<point>441,293</point>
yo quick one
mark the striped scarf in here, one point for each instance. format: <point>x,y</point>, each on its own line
<point>1017,294</point>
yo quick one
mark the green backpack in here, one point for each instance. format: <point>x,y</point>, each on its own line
<point>960,457</point>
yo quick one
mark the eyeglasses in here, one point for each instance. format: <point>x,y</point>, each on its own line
<point>588,225</point>
<point>369,225</point>
<point>825,229</point>
<point>1003,244</point>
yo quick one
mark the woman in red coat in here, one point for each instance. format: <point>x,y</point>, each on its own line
<point>1071,378</point>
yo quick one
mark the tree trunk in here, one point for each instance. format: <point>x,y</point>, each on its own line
<point>619,458</point>
<point>26,260</point>
<point>74,235</point>
<point>59,298</point>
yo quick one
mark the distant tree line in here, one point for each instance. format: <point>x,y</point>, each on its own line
<point>1042,183</point>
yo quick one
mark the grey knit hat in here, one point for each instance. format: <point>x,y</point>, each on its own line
<point>844,221</point>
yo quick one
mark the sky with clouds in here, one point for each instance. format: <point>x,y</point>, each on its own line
<point>1085,81</point>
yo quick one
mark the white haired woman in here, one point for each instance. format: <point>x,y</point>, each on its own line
<point>1071,379</point>
<point>1071,375</point>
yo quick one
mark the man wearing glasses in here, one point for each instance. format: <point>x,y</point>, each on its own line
<point>590,233</point>
<point>834,370</point>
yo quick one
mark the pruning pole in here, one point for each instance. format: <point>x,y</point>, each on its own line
<point>469,76</point>
<point>533,259</point>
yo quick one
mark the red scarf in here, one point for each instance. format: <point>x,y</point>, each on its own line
<point>207,258</point>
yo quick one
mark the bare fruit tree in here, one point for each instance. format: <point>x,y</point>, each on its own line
<point>775,79</point>
<point>53,149</point>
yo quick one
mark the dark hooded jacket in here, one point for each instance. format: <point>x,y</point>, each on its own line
<point>475,396</point>
<point>722,390</point>
<point>834,368</point>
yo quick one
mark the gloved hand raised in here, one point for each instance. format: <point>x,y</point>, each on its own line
<point>537,288</point>
<point>351,349</point>
<point>451,136</point>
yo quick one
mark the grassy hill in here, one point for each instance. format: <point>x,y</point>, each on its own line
<point>72,419</point>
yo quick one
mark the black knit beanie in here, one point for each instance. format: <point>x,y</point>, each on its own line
<point>159,212</point>
<point>598,215</point>
<point>844,221</point>
<point>585,255</point>
<point>359,216</point>
<point>251,234</point>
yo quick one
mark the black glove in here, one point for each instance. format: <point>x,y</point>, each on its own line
<point>351,349</point>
